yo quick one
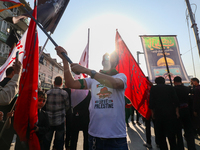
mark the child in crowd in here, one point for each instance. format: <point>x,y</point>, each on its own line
<point>42,126</point>
<point>43,121</point>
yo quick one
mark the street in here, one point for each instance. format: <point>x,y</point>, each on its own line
<point>135,138</point>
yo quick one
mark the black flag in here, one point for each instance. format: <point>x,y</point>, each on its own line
<point>49,13</point>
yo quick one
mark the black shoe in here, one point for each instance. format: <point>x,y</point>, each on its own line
<point>133,122</point>
<point>147,145</point>
<point>138,123</point>
<point>127,125</point>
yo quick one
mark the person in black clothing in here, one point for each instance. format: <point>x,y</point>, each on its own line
<point>77,119</point>
<point>68,121</point>
<point>164,106</point>
<point>43,122</point>
<point>148,130</point>
<point>184,119</point>
<point>80,122</point>
<point>8,133</point>
<point>137,116</point>
<point>196,104</point>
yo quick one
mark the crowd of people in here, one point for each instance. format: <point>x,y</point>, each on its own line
<point>101,115</point>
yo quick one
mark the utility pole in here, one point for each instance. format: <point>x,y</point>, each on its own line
<point>194,25</point>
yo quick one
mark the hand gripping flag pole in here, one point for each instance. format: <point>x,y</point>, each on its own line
<point>55,44</point>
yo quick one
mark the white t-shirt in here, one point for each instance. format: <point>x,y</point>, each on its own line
<point>107,109</point>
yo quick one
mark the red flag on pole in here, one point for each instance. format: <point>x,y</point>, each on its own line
<point>26,115</point>
<point>138,86</point>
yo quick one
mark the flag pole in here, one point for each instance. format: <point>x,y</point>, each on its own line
<point>165,61</point>
<point>50,38</point>
<point>44,46</point>
<point>88,42</point>
<point>88,36</point>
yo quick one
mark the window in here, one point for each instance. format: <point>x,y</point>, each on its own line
<point>5,4</point>
<point>56,69</point>
<point>15,12</point>
<point>50,67</point>
<point>4,49</point>
<point>1,20</point>
<point>45,62</point>
<point>50,79</point>
<point>7,49</point>
<point>5,27</point>
<point>42,76</point>
<point>60,71</point>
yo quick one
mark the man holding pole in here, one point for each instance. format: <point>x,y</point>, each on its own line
<point>107,105</point>
<point>8,92</point>
<point>8,134</point>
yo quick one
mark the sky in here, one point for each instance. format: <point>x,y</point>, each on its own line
<point>132,18</point>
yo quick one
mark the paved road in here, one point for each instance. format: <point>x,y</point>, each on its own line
<point>135,138</point>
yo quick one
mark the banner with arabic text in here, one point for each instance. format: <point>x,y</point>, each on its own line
<point>155,60</point>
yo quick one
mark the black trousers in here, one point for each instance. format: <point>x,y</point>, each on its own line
<point>185,122</point>
<point>74,138</point>
<point>148,131</point>
<point>137,115</point>
<point>166,127</point>
<point>79,123</point>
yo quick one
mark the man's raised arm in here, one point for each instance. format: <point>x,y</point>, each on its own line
<point>8,92</point>
<point>70,82</point>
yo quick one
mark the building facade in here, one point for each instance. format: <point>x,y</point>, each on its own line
<point>48,69</point>
<point>6,27</point>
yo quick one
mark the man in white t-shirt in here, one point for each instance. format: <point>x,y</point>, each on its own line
<point>107,128</point>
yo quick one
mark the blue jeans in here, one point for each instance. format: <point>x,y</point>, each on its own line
<point>96,143</point>
<point>59,137</point>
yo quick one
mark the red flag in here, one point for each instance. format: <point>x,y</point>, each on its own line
<point>138,86</point>
<point>26,115</point>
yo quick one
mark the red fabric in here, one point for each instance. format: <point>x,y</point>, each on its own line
<point>26,115</point>
<point>138,86</point>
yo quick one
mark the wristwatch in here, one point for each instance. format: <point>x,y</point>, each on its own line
<point>93,72</point>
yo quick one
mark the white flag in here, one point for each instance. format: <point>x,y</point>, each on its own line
<point>78,96</point>
<point>9,62</point>
<point>84,62</point>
